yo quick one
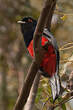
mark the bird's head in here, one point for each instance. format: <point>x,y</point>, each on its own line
<point>27,23</point>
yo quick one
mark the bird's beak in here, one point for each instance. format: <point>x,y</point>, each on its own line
<point>21,22</point>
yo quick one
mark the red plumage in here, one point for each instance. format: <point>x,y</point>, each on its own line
<point>49,60</point>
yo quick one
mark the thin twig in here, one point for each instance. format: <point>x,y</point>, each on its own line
<point>63,102</point>
<point>65,99</point>
<point>65,46</point>
<point>64,61</point>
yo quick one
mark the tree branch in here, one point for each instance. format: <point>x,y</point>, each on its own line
<point>49,18</point>
<point>45,18</point>
<point>31,99</point>
<point>26,86</point>
<point>38,50</point>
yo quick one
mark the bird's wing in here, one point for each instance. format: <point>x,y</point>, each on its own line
<point>52,39</point>
<point>55,80</point>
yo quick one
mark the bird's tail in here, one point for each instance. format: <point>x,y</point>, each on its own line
<point>55,86</point>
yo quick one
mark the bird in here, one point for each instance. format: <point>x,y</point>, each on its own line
<point>50,62</point>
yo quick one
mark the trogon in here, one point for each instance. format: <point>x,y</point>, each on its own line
<point>50,61</point>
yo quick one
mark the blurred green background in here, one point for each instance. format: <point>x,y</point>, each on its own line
<point>14,58</point>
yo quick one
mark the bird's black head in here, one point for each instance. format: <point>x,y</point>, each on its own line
<point>28,25</point>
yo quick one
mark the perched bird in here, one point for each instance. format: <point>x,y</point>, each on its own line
<point>50,61</point>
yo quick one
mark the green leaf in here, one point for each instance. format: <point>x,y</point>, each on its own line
<point>38,95</point>
<point>63,106</point>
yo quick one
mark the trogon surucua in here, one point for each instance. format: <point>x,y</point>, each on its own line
<point>50,61</point>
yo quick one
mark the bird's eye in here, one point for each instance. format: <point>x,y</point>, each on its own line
<point>29,20</point>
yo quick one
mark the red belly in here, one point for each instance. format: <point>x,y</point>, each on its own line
<point>49,60</point>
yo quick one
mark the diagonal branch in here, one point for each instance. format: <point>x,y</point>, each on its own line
<point>49,18</point>
<point>31,99</point>
<point>38,50</point>
<point>65,99</point>
<point>26,86</point>
<point>45,18</point>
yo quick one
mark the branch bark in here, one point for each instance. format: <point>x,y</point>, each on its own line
<point>45,18</point>
<point>49,18</point>
<point>38,50</point>
<point>26,86</point>
<point>31,99</point>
